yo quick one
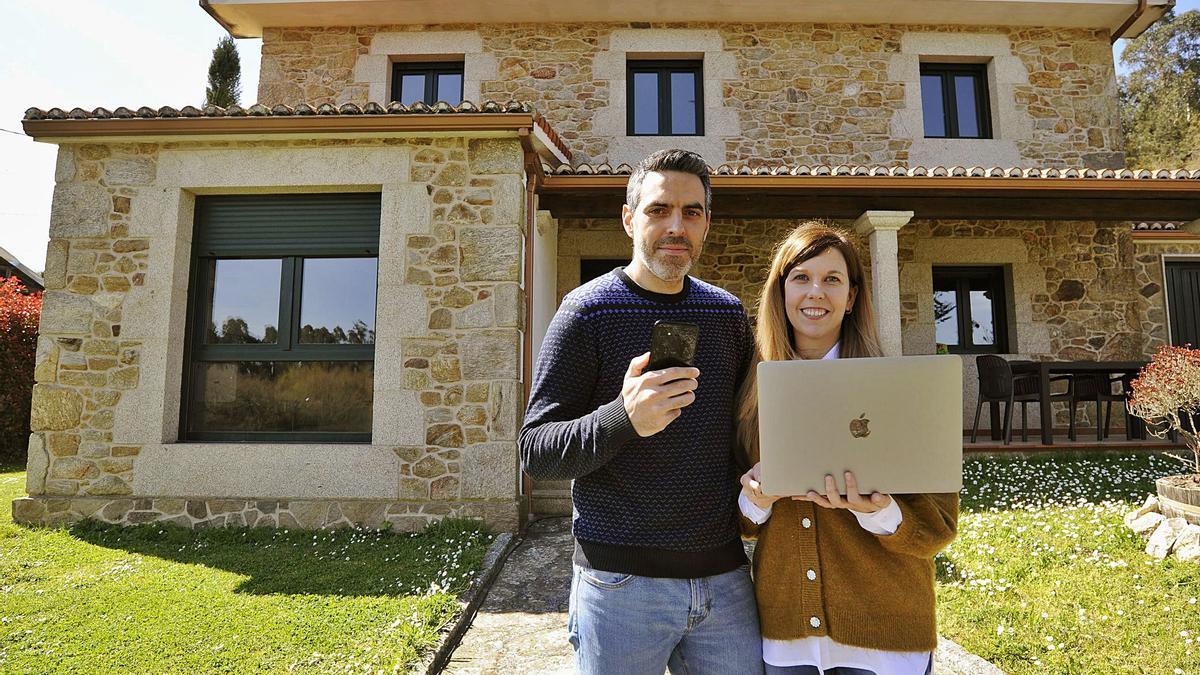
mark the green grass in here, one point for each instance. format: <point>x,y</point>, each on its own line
<point>149,599</point>
<point>1045,577</point>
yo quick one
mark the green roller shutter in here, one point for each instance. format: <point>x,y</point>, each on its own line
<point>289,224</point>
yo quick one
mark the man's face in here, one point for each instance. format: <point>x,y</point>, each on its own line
<point>669,225</point>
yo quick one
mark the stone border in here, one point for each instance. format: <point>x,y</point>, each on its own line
<point>493,562</point>
<point>951,658</point>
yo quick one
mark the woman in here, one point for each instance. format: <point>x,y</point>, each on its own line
<point>844,584</point>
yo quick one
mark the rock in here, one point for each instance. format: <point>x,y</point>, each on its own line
<point>129,171</point>
<point>489,470</point>
<point>28,510</point>
<point>1149,506</point>
<point>66,313</point>
<point>55,408</point>
<point>109,485</point>
<point>1147,523</point>
<point>79,210</point>
<point>491,254</point>
<point>496,155</point>
<point>1187,544</point>
<point>35,467</point>
<point>55,274</point>
<point>1163,539</point>
<point>491,354</point>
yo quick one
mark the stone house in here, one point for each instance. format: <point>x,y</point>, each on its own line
<point>322,309</point>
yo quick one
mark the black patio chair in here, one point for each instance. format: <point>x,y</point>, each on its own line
<point>1098,387</point>
<point>998,384</point>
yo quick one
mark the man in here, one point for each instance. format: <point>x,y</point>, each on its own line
<point>660,577</point>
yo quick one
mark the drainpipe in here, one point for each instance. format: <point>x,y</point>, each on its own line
<point>533,180</point>
<point>1137,14</point>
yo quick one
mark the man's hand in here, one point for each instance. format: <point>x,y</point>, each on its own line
<point>752,488</point>
<point>654,399</point>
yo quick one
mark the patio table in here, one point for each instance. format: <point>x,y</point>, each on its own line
<point>1044,369</point>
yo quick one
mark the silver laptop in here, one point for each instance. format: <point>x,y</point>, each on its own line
<point>895,422</point>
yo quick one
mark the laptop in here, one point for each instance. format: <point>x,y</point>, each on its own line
<point>895,422</point>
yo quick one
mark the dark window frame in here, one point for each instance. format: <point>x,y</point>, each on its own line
<point>663,70</point>
<point>962,276</point>
<point>947,72</point>
<point>287,348</point>
<point>431,70</point>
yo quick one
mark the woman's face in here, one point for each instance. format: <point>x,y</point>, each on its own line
<point>816,295</point>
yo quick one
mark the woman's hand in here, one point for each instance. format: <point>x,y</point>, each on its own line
<point>753,489</point>
<point>853,501</point>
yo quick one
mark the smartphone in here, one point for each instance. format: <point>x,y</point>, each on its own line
<point>673,345</point>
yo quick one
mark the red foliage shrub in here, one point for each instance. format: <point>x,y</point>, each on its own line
<point>19,314</point>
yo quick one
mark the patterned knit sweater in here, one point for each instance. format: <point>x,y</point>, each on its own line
<point>660,506</point>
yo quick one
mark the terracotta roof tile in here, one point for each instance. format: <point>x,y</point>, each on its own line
<point>917,171</point>
<point>281,110</point>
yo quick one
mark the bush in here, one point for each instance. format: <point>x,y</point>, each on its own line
<point>19,314</point>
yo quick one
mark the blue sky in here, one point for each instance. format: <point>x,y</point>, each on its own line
<point>109,53</point>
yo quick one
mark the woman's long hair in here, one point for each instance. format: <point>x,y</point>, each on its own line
<point>774,334</point>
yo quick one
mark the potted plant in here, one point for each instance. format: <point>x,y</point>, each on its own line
<point>1166,394</point>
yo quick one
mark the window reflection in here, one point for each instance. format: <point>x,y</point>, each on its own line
<point>965,98</point>
<point>945,317</point>
<point>449,88</point>
<point>645,96</point>
<point>933,107</point>
<point>279,396</point>
<point>243,301</point>
<point>337,303</point>
<point>412,89</point>
<point>683,103</point>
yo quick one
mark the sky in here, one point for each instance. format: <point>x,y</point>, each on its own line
<point>89,53</point>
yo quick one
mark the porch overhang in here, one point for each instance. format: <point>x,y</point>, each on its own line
<point>1138,196</point>
<point>248,18</point>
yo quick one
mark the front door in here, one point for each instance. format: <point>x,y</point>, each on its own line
<point>1183,302</point>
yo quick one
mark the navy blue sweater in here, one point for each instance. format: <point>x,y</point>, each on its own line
<point>661,506</point>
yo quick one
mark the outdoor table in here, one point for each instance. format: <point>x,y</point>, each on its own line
<point>1044,369</point>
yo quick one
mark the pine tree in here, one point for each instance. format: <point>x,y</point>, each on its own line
<point>224,75</point>
<point>1160,97</point>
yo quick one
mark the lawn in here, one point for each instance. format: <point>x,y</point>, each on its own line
<point>101,599</point>
<point>1044,576</point>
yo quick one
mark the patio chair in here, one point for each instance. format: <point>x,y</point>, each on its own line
<point>1098,387</point>
<point>998,384</point>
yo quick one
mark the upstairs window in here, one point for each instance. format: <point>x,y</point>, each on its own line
<point>666,98</point>
<point>954,100</point>
<point>969,310</point>
<point>428,82</point>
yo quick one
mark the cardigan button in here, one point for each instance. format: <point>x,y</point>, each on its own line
<point>814,622</point>
<point>812,576</point>
<point>806,523</point>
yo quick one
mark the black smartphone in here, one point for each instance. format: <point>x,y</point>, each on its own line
<point>673,345</point>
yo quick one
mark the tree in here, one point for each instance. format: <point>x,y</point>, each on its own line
<point>1160,97</point>
<point>224,75</point>
<point>19,313</point>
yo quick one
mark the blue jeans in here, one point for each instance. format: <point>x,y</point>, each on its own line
<point>633,625</point>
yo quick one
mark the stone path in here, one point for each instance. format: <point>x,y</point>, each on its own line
<point>521,625</point>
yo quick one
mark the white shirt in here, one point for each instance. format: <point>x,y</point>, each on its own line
<point>822,651</point>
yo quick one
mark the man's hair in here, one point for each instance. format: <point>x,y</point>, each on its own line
<point>668,160</point>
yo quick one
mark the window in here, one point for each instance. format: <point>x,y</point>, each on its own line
<point>281,336</point>
<point>969,313</point>
<point>428,82</point>
<point>594,267</point>
<point>666,98</point>
<point>954,100</point>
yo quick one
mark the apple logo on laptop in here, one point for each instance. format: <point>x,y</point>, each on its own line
<point>858,427</point>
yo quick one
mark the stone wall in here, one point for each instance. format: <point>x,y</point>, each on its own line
<point>802,93</point>
<point>1078,289</point>
<point>447,394</point>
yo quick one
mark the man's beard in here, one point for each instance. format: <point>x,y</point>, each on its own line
<point>664,266</point>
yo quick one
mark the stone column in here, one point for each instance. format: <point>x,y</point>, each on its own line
<point>881,228</point>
